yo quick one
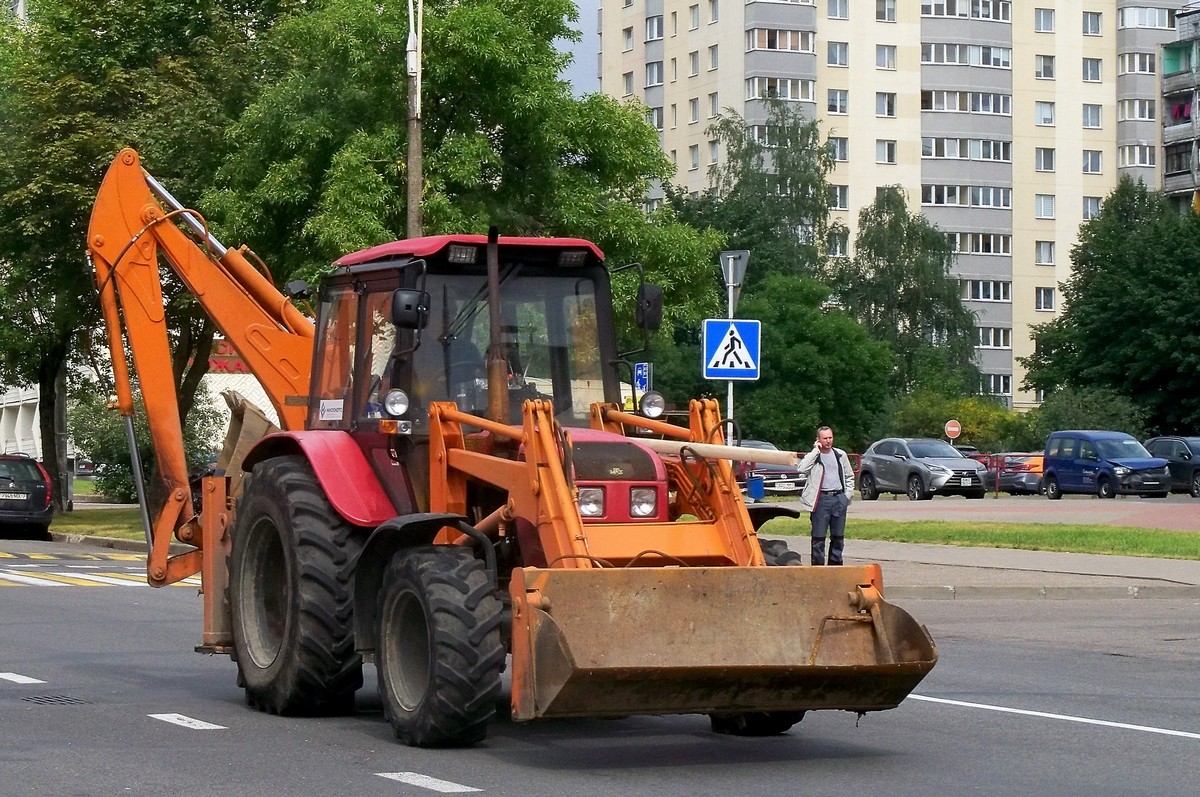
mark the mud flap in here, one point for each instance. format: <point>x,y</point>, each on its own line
<point>613,642</point>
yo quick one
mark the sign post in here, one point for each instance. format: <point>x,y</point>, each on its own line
<point>733,267</point>
<point>953,429</point>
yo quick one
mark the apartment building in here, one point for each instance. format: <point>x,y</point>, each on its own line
<point>1181,127</point>
<point>1006,122</point>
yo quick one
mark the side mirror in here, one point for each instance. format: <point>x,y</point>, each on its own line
<point>410,309</point>
<point>649,307</point>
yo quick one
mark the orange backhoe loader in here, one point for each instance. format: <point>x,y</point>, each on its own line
<point>455,489</point>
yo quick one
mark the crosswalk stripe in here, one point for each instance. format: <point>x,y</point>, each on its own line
<point>10,578</point>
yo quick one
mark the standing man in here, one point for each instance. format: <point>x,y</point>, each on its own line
<point>826,495</point>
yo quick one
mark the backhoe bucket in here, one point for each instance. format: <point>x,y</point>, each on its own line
<point>612,642</point>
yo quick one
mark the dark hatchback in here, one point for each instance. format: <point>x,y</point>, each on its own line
<point>1183,460</point>
<point>25,496</point>
<point>777,479</point>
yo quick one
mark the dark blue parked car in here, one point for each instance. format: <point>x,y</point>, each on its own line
<point>1104,463</point>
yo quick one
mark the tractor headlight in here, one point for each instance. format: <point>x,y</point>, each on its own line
<point>643,501</point>
<point>396,403</point>
<point>652,404</point>
<point>591,501</point>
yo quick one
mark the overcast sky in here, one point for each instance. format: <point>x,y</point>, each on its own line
<point>582,71</point>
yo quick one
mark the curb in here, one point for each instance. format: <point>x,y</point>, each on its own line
<point>953,593</point>
<point>114,543</point>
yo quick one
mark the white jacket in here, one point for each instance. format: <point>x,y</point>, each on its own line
<point>811,466</point>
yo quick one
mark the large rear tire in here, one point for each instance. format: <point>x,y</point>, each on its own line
<point>291,594</point>
<point>439,654</point>
<point>762,723</point>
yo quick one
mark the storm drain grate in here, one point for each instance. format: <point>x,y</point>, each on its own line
<point>55,700</point>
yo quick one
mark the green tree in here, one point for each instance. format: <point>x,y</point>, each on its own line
<point>78,82</point>
<point>818,368</point>
<point>1086,408</point>
<point>769,194</point>
<point>1126,324</point>
<point>319,170</point>
<point>898,285</point>
<point>986,423</point>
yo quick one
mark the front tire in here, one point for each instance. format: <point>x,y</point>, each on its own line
<point>1104,489</point>
<point>291,594</point>
<point>1194,485</point>
<point>867,489</point>
<point>916,491</point>
<point>440,654</point>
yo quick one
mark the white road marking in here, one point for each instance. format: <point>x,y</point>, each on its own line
<point>426,782</point>
<point>187,722</point>
<point>17,678</point>
<point>8,575</point>
<point>1063,717</point>
<point>129,581</point>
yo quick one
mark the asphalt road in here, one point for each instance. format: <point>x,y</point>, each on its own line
<point>100,693</point>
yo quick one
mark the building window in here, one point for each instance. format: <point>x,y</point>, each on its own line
<point>885,56</point>
<point>1091,70</point>
<point>839,148</point>
<point>943,195</point>
<point>994,337</point>
<point>1177,159</point>
<point>885,10</point>
<point>1043,20</point>
<point>712,57</point>
<point>714,149</point>
<point>694,157</point>
<point>796,41</point>
<point>1091,116</point>
<point>1044,253</point>
<point>1043,159</point>
<point>838,243</point>
<point>655,117</point>
<point>1091,207</point>
<point>783,88</point>
<point>1091,23</point>
<point>693,63</point>
<point>1139,110</point>
<point>1043,205</point>
<point>694,17</point>
<point>839,197</point>
<point>997,384</point>
<point>1091,161</point>
<point>990,196</point>
<point>693,110</point>
<point>654,28</point>
<point>885,151</point>
<point>627,80</point>
<point>627,38</point>
<point>838,54</point>
<point>714,107</point>
<point>1043,67</point>
<point>1044,299</point>
<point>838,101</point>
<point>989,291</point>
<point>1043,113</point>
<point>885,103</point>
<point>839,9</point>
<point>1145,17</point>
<point>714,10</point>
<point>980,243</point>
<point>1135,64</point>
<point>1136,155</point>
<point>654,74</point>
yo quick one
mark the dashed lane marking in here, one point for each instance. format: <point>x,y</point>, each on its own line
<point>187,722</point>
<point>426,782</point>
<point>17,678</point>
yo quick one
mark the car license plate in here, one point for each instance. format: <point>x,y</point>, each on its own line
<point>965,481</point>
<point>785,486</point>
<point>13,496</point>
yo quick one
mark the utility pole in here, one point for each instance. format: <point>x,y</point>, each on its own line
<point>415,163</point>
<point>733,268</point>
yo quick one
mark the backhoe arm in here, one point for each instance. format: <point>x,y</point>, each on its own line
<point>133,220</point>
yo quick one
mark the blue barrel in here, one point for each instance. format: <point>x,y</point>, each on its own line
<point>755,488</point>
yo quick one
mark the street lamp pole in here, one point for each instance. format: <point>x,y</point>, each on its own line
<point>415,163</point>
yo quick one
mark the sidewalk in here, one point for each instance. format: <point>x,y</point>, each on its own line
<point>949,572</point>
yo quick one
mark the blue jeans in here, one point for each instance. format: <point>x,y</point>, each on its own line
<point>828,517</point>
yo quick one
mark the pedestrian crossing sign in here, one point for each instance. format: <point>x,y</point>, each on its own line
<point>731,348</point>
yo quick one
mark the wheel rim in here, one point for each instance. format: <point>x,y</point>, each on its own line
<point>265,585</point>
<point>914,488</point>
<point>868,486</point>
<point>1196,483</point>
<point>406,637</point>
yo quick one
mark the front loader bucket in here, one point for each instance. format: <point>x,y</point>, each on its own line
<point>612,642</point>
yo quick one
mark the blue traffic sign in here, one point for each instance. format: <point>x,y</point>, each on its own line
<point>641,377</point>
<point>731,348</point>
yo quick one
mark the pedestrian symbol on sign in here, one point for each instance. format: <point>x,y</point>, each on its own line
<point>731,349</point>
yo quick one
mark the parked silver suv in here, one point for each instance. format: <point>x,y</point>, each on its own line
<point>921,467</point>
